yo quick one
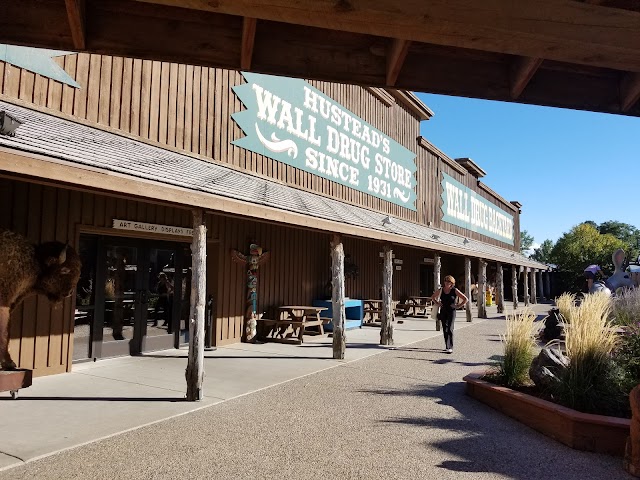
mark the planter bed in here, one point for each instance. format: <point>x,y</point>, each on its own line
<point>582,431</point>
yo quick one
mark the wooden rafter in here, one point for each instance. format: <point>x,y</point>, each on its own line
<point>532,29</point>
<point>629,91</point>
<point>395,58</point>
<point>522,70</point>
<point>248,39</point>
<point>76,17</point>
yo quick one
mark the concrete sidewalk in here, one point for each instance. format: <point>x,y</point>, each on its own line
<point>112,397</point>
<point>101,399</point>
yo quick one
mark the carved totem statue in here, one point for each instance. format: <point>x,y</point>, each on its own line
<point>252,261</point>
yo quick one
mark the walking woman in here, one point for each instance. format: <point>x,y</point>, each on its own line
<point>446,298</point>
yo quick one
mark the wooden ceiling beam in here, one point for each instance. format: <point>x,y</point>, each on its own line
<point>629,91</point>
<point>522,70</point>
<point>395,58</point>
<point>76,16</point>
<point>562,30</point>
<point>248,40</point>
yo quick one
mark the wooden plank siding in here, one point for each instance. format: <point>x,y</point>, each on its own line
<point>188,107</point>
<point>41,334</point>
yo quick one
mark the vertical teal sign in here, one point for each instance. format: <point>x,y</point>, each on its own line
<point>292,122</point>
<point>463,207</point>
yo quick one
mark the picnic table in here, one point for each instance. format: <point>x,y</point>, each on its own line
<point>415,306</point>
<point>293,321</point>
<point>372,312</point>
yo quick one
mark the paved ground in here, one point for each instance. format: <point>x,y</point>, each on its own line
<point>400,414</point>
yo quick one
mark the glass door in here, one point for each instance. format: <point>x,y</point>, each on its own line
<point>134,297</point>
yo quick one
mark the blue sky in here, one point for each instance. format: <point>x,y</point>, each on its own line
<point>564,166</point>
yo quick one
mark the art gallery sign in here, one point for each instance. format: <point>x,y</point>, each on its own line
<point>292,122</point>
<point>463,207</point>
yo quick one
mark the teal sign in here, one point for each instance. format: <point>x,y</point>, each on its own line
<point>463,207</point>
<point>292,122</point>
<point>37,60</point>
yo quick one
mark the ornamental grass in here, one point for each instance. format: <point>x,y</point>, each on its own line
<point>519,344</point>
<point>626,307</point>
<point>565,303</point>
<point>591,384</point>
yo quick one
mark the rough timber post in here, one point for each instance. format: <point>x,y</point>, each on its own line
<point>500,280</point>
<point>467,286</point>
<point>386,323</point>
<point>526,286</point>
<point>195,363</point>
<point>547,286</point>
<point>337,296</point>
<point>482,287</point>
<point>514,285</point>
<point>540,284</point>
<point>437,267</point>
<point>534,286</point>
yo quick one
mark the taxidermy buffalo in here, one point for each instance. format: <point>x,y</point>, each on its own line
<point>51,269</point>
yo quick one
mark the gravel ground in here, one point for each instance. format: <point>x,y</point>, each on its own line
<point>402,414</point>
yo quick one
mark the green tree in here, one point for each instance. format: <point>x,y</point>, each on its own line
<point>543,252</point>
<point>526,241</point>
<point>582,246</point>
<point>629,234</point>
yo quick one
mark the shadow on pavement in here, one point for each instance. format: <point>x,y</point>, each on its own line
<point>489,442</point>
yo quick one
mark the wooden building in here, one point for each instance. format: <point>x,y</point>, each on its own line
<point>114,153</point>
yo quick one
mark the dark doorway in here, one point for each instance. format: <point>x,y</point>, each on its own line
<point>426,280</point>
<point>133,296</point>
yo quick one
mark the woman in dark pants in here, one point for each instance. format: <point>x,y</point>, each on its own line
<point>446,298</point>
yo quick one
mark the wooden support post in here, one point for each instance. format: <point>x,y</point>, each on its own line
<point>467,287</point>
<point>547,286</point>
<point>386,320</point>
<point>437,267</point>
<point>534,291</point>
<point>482,287</point>
<point>337,296</point>
<point>514,286</point>
<point>195,363</point>
<point>500,280</point>
<point>526,287</point>
<point>540,285</point>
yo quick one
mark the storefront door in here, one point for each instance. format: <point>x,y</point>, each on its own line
<point>141,299</point>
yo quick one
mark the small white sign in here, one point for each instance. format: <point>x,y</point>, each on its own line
<point>152,228</point>
<point>428,260</point>
<point>398,267</point>
<point>397,261</point>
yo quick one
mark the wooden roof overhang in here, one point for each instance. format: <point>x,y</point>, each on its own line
<point>581,54</point>
<point>53,149</point>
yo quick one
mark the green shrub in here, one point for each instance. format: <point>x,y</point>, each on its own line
<point>627,356</point>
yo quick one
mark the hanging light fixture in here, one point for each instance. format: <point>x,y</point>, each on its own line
<point>8,124</point>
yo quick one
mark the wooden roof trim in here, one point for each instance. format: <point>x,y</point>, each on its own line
<point>629,91</point>
<point>382,95</point>
<point>487,189</point>
<point>63,173</point>
<point>76,17</point>
<point>522,71</point>
<point>414,103</point>
<point>395,58</point>
<point>472,167</point>
<point>427,145</point>
<point>248,40</point>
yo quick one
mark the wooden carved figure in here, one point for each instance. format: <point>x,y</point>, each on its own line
<point>252,261</point>
<point>51,269</point>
